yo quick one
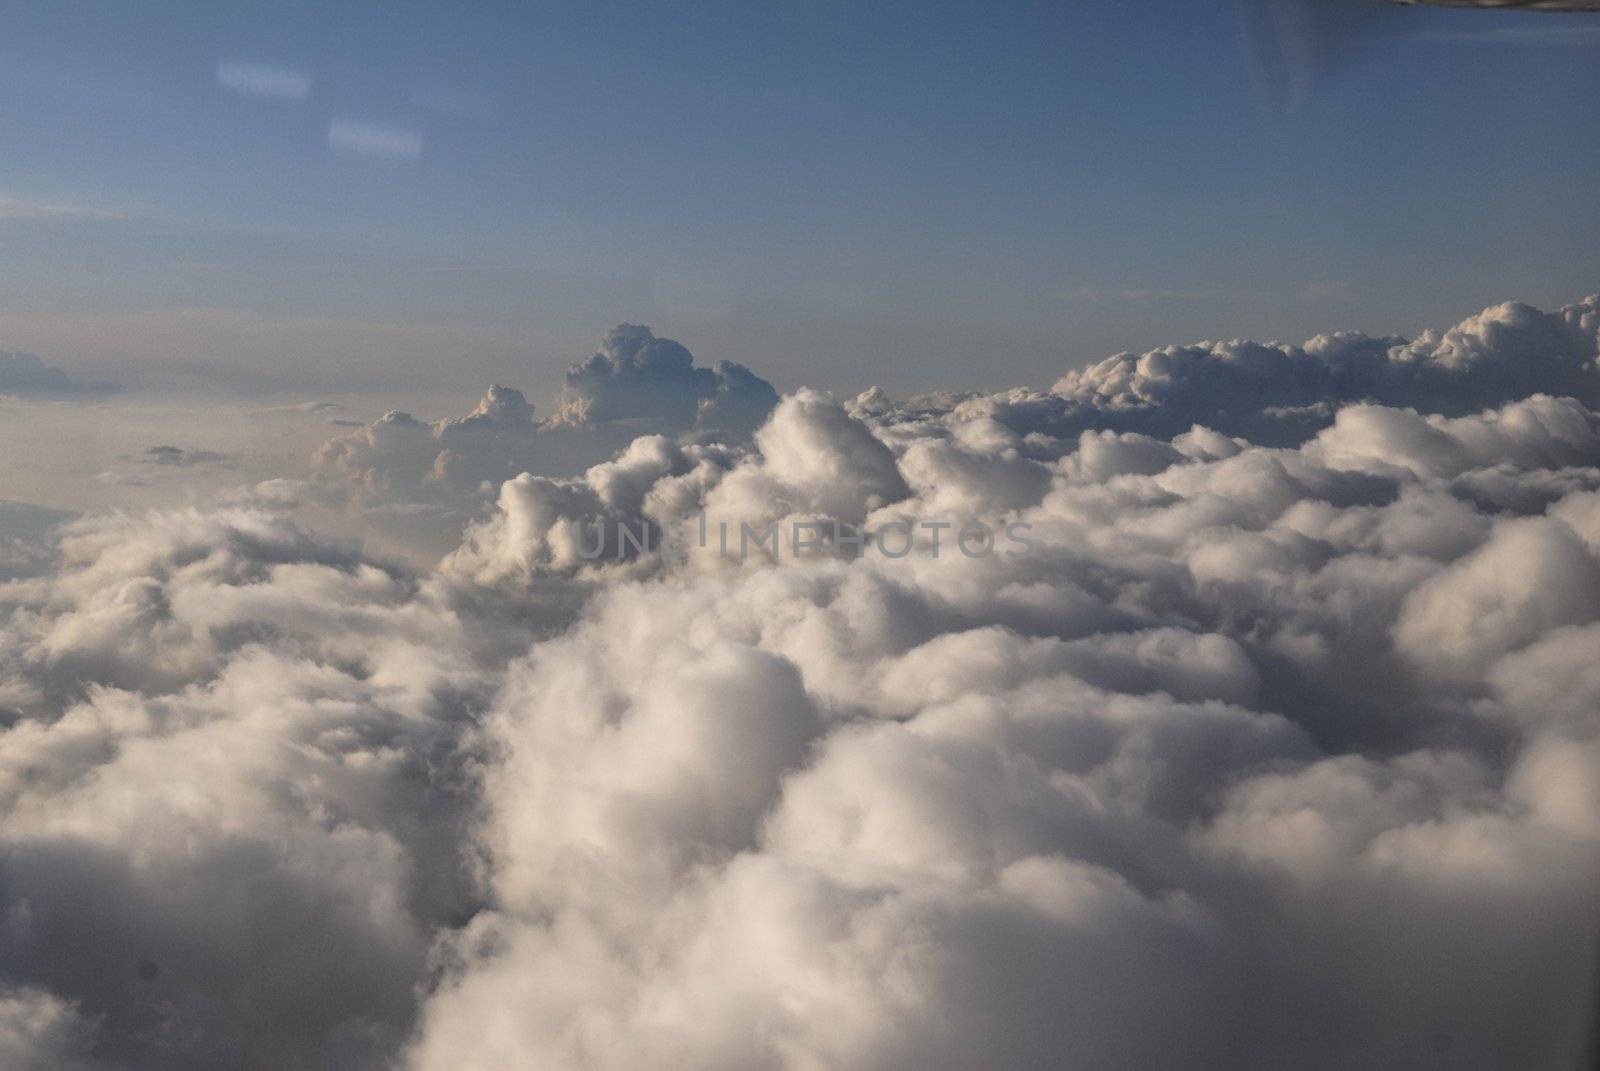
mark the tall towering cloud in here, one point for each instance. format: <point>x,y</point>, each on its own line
<point>635,385</point>
<point>636,377</point>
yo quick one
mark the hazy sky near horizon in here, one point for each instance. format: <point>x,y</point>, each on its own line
<point>414,199</point>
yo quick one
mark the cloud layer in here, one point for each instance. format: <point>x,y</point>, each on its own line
<point>1258,754</point>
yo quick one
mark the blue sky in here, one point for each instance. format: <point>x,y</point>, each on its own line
<point>420,198</point>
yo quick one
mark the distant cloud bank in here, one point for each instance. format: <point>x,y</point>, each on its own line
<point>25,375</point>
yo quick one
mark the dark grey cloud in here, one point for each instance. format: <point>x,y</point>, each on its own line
<point>182,457</point>
<point>25,375</point>
<point>308,408</point>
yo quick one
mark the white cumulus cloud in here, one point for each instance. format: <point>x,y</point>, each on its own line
<point>1270,742</point>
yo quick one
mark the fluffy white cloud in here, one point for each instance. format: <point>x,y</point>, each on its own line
<point>636,384</point>
<point>229,775</point>
<point>1189,761</point>
<point>636,377</point>
<point>426,481</point>
<point>1251,755</point>
<point>1538,433</point>
<point>1275,392</point>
